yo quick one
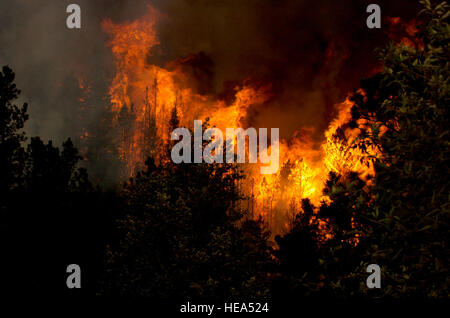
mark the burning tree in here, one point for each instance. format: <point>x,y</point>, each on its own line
<point>184,235</point>
<point>142,95</point>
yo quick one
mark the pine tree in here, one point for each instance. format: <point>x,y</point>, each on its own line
<point>12,120</point>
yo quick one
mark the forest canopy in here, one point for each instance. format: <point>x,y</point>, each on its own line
<point>183,231</point>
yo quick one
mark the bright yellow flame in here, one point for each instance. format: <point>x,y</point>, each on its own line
<point>149,91</point>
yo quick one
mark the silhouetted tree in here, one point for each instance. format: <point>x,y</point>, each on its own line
<point>12,120</point>
<point>400,219</point>
<point>407,214</point>
<point>181,238</point>
<point>50,214</point>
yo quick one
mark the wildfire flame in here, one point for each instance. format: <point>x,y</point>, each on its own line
<point>149,93</point>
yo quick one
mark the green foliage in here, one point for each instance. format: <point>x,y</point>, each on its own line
<point>407,226</point>
<point>400,219</point>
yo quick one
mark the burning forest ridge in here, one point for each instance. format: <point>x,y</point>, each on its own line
<point>147,95</point>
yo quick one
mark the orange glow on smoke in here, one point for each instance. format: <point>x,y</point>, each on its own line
<point>403,32</point>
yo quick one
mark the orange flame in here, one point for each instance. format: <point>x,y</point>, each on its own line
<point>151,92</point>
<point>305,170</point>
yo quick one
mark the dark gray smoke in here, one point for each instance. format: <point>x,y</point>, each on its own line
<point>312,51</point>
